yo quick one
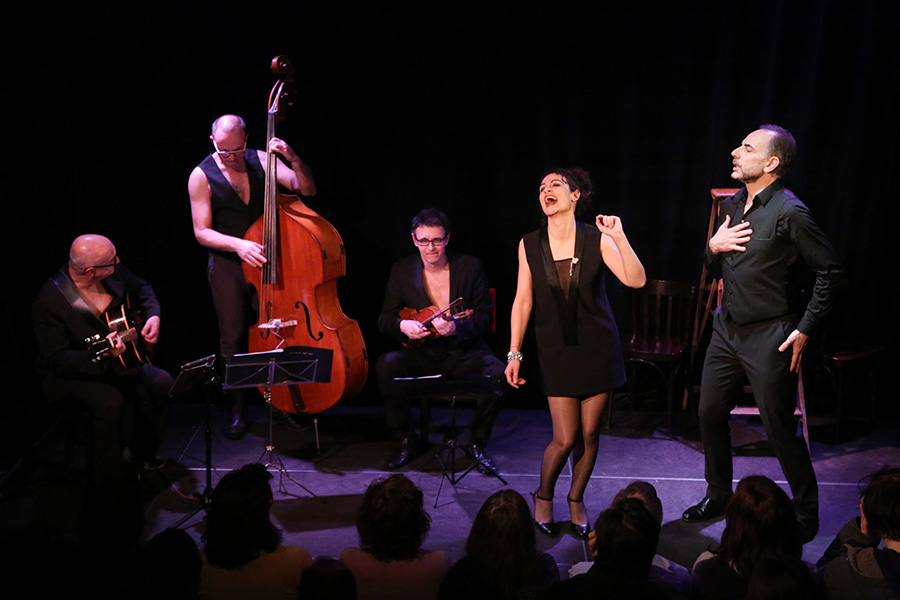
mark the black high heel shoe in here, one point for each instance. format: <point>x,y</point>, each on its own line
<point>580,531</point>
<point>550,527</point>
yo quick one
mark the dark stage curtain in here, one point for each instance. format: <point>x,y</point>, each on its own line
<point>464,107</point>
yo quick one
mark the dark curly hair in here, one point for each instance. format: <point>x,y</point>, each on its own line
<point>238,527</point>
<point>880,502</point>
<point>760,521</point>
<point>578,179</point>
<point>392,522</point>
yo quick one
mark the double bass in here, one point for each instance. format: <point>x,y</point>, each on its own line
<point>297,285</point>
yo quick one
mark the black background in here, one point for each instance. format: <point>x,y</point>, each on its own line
<point>401,106</point>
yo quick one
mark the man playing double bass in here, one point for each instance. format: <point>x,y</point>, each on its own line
<point>435,277</point>
<point>227,192</point>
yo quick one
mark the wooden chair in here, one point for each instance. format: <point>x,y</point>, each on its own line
<point>662,316</point>
<point>710,297</point>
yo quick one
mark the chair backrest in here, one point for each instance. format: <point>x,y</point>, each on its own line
<point>663,309</point>
<point>710,293</point>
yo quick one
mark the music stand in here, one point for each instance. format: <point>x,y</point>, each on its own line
<point>199,374</point>
<point>284,366</point>
<point>451,387</point>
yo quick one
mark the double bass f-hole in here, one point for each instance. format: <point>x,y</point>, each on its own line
<point>315,337</point>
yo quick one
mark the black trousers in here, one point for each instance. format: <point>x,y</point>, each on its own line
<point>126,411</point>
<point>734,351</point>
<point>411,362</point>
<point>236,307</point>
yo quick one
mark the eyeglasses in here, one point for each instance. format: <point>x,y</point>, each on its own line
<point>436,242</point>
<point>113,264</point>
<point>229,152</point>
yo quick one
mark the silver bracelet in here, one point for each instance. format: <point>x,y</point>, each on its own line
<point>514,356</point>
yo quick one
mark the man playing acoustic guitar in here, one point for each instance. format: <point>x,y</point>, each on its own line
<point>434,278</point>
<point>72,311</point>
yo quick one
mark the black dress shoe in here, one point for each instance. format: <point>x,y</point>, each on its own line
<point>808,529</point>
<point>236,428</point>
<point>708,508</point>
<point>550,528</point>
<point>483,462</point>
<point>409,449</point>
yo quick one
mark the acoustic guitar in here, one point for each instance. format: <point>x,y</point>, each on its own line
<point>128,324</point>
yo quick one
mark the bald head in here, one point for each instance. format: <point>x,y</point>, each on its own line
<point>227,124</point>
<point>90,250</point>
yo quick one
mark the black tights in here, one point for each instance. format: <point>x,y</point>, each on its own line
<point>576,428</point>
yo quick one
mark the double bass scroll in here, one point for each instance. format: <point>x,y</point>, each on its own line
<point>297,285</point>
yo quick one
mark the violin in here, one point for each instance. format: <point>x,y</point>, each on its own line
<point>427,315</point>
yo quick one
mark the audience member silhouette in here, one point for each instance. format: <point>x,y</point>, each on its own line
<point>760,521</point>
<point>470,579</point>
<point>327,579</point>
<point>502,538</point>
<point>783,577</point>
<point>661,569</point>
<point>168,567</point>
<point>854,566</point>
<point>392,525</point>
<point>243,555</point>
<point>627,536</point>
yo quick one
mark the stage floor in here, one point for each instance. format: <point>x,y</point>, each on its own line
<point>319,490</point>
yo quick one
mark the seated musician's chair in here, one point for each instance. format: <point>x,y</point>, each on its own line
<point>856,363</point>
<point>449,390</point>
<point>662,314</point>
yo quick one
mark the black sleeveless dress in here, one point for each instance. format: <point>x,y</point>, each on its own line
<point>579,351</point>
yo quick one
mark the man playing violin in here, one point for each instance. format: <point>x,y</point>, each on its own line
<point>432,279</point>
<point>69,310</point>
<point>227,194</point>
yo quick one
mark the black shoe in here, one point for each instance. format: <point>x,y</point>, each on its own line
<point>289,420</point>
<point>483,462</point>
<point>808,529</point>
<point>236,429</point>
<point>580,531</point>
<point>409,449</point>
<point>550,528</point>
<point>708,508</point>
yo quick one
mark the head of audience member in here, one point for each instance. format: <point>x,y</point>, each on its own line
<point>879,506</point>
<point>470,579</point>
<point>392,522</point>
<point>760,521</point>
<point>646,493</point>
<point>502,537</point>
<point>168,567</point>
<point>238,525</point>
<point>327,579</point>
<point>626,538</point>
<point>430,231</point>
<point>578,180</point>
<point>92,257</point>
<point>783,577</point>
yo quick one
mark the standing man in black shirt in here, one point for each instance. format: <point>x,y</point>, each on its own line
<point>762,231</point>
<point>227,197</point>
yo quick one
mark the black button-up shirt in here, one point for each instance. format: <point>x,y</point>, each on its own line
<point>756,281</point>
